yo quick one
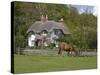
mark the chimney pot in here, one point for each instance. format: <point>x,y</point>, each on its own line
<point>61,20</point>
<point>46,17</point>
<point>42,17</point>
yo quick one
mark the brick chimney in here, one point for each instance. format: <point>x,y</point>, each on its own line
<point>44,18</point>
<point>61,20</point>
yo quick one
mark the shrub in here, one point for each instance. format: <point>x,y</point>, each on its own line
<point>19,42</point>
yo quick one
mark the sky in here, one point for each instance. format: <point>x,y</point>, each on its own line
<point>83,8</point>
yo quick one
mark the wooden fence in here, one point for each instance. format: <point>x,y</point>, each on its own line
<point>53,52</point>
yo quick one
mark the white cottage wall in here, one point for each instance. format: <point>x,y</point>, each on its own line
<point>45,34</point>
<point>31,40</point>
<point>51,38</point>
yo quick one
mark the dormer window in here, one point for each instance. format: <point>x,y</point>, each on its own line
<point>57,32</point>
<point>44,33</point>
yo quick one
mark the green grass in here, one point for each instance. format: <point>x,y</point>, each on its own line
<point>32,63</point>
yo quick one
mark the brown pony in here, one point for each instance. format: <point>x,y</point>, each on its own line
<point>68,48</point>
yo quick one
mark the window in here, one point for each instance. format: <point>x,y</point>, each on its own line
<point>44,33</point>
<point>57,31</point>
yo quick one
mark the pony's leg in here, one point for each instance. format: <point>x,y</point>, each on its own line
<point>71,53</point>
<point>76,53</point>
<point>68,53</point>
<point>59,52</point>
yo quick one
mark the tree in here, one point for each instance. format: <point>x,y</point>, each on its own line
<point>19,43</point>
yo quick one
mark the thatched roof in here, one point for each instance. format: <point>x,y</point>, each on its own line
<point>39,26</point>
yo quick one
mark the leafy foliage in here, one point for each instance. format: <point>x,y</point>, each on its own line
<point>19,43</point>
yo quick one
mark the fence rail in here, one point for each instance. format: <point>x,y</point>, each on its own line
<point>53,52</point>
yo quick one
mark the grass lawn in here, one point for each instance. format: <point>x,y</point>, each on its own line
<point>33,63</point>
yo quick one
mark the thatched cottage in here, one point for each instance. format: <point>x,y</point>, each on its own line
<point>44,32</point>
